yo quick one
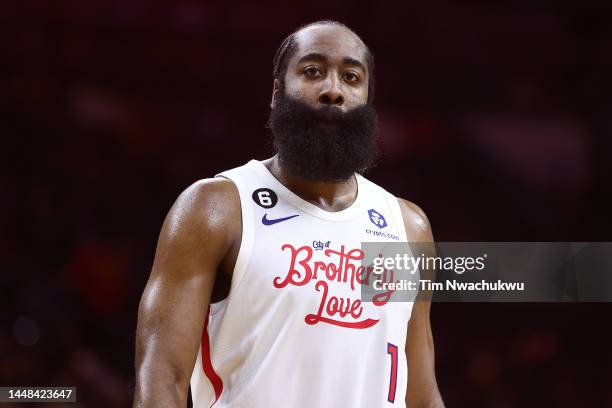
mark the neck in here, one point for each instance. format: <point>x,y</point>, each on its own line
<point>328,195</point>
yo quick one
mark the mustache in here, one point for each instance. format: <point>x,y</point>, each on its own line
<point>331,114</point>
<point>299,114</point>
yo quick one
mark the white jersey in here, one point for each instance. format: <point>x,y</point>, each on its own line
<point>293,331</point>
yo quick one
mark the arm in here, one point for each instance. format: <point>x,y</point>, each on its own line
<point>200,230</point>
<point>422,386</point>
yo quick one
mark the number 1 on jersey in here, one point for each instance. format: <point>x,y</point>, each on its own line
<point>392,350</point>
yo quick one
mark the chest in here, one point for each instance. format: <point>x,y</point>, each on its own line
<point>315,270</point>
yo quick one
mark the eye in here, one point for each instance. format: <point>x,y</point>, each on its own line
<point>312,71</point>
<point>351,76</point>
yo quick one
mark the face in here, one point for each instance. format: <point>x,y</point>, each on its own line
<point>323,125</point>
<point>328,69</point>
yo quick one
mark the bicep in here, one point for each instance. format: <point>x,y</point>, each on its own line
<point>170,317</point>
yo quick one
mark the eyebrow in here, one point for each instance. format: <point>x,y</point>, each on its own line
<point>315,56</point>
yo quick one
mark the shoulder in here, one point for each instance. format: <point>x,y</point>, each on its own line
<point>209,206</point>
<point>213,194</point>
<point>209,190</point>
<point>418,228</point>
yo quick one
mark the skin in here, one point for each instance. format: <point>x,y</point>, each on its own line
<point>201,234</point>
<point>198,245</point>
<point>422,386</point>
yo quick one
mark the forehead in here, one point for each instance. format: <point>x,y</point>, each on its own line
<point>335,42</point>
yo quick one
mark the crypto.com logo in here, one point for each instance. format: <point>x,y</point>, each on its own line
<point>377,218</point>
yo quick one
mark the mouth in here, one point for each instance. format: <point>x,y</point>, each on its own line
<point>331,115</point>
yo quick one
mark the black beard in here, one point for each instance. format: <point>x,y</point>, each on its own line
<point>323,144</point>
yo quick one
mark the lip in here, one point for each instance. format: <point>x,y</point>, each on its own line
<point>331,116</point>
<point>336,109</point>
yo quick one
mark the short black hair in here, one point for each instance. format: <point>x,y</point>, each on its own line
<point>289,46</point>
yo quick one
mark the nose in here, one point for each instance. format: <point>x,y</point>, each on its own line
<point>331,94</point>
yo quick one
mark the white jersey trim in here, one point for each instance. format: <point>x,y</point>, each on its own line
<point>309,208</point>
<point>246,239</point>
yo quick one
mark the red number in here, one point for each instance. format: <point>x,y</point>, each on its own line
<point>392,349</point>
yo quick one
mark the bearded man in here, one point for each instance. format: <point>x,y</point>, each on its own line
<point>254,295</point>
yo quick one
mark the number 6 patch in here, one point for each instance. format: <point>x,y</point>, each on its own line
<point>264,197</point>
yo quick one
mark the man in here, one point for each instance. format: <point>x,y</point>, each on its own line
<point>254,295</point>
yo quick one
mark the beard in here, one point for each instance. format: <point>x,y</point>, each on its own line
<point>323,144</point>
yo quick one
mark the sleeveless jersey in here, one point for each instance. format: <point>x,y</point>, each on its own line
<point>293,331</point>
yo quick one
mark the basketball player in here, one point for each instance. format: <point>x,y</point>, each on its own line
<point>253,297</point>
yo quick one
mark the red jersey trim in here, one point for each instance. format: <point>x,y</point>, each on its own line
<point>209,370</point>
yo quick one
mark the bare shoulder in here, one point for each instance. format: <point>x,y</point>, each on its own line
<point>416,222</point>
<point>207,207</point>
<point>210,195</point>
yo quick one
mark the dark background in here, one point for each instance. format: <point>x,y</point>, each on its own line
<point>494,118</point>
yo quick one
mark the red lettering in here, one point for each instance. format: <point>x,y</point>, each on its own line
<point>335,306</point>
<point>346,269</point>
<point>382,298</point>
<point>294,276</point>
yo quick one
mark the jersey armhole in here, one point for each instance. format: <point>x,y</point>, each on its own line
<point>404,238</point>
<point>396,209</point>
<point>246,243</point>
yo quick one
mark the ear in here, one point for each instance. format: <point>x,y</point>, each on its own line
<point>275,90</point>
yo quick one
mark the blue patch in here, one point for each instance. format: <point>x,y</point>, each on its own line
<point>377,218</point>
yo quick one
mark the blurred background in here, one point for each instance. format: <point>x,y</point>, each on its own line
<point>495,117</point>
